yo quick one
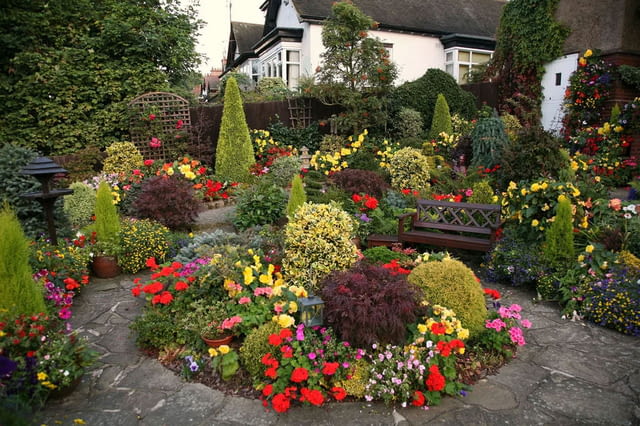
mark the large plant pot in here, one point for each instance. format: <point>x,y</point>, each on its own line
<point>214,343</point>
<point>106,267</point>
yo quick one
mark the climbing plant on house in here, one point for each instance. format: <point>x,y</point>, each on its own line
<point>528,37</point>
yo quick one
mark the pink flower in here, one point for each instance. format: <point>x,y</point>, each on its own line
<point>179,124</point>
<point>497,324</point>
<point>148,163</point>
<point>526,323</point>
<point>152,117</point>
<point>155,143</point>
<point>244,300</point>
<point>516,336</point>
<point>229,323</point>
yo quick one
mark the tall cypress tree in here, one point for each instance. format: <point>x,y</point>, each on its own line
<point>297,197</point>
<point>441,121</point>
<point>558,248</point>
<point>234,153</point>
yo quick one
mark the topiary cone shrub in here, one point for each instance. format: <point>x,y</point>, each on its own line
<point>234,152</point>
<point>558,248</point>
<point>451,283</point>
<point>169,200</point>
<point>369,304</point>
<point>19,292</point>
<point>317,242</point>
<point>297,197</point>
<point>107,221</point>
<point>441,121</point>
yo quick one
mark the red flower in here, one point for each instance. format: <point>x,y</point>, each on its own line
<point>406,191</point>
<point>287,351</point>
<point>356,198</point>
<point>151,263</point>
<point>338,393</point>
<point>330,368</point>
<point>418,399</point>
<point>163,298</point>
<point>181,285</point>
<point>272,372</point>
<point>299,374</point>
<point>370,203</point>
<point>275,340</point>
<point>268,360</point>
<point>494,294</point>
<point>436,381</point>
<point>280,403</point>
<point>152,117</point>
<point>438,328</point>
<point>443,348</point>
<point>179,124</point>
<point>266,391</point>
<point>313,396</point>
<point>153,288</point>
<point>286,333</point>
<point>148,163</point>
<point>135,291</point>
<point>71,284</point>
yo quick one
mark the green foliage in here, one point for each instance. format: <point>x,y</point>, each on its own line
<point>234,152</point>
<point>19,292</point>
<point>309,136</point>
<point>68,69</point>
<point>381,255</point>
<point>449,282</point>
<point>206,241</point>
<point>255,346</point>
<point>82,164</point>
<point>297,197</point>
<point>409,169</point>
<point>156,329</point>
<point>489,141</point>
<point>441,121</point>
<point>259,205</point>
<point>511,125</point>
<point>314,182</point>
<point>528,37</point>
<point>356,71</point>
<point>142,239</point>
<point>483,193</point>
<point>421,95</point>
<point>630,76</point>
<point>317,242</point>
<point>107,221</point>
<point>273,88</point>
<point>534,153</point>
<point>29,212</point>
<point>283,169</point>
<point>558,248</point>
<point>245,83</point>
<point>408,123</point>
<point>122,158</point>
<point>80,206</point>
<point>331,143</point>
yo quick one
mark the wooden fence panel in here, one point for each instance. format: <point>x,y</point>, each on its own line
<point>486,93</point>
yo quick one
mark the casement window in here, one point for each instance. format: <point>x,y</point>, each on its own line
<point>459,62</point>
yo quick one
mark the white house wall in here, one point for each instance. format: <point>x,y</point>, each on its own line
<point>553,94</point>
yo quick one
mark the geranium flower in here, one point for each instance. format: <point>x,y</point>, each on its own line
<point>313,396</point>
<point>436,381</point>
<point>266,391</point>
<point>299,374</point>
<point>418,399</point>
<point>275,340</point>
<point>330,368</point>
<point>438,328</point>
<point>280,403</point>
<point>338,393</point>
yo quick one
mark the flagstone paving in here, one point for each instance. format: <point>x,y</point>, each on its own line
<point>569,373</point>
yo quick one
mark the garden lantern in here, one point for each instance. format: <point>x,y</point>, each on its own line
<point>311,310</point>
<point>44,169</point>
<point>305,157</point>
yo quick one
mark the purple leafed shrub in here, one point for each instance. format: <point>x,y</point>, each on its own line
<point>168,200</point>
<point>355,181</point>
<point>368,304</point>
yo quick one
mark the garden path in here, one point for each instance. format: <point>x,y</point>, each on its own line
<point>570,372</point>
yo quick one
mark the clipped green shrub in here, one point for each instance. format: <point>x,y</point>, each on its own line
<point>297,197</point>
<point>408,123</point>
<point>19,292</point>
<point>169,200</point>
<point>558,248</point>
<point>511,125</point>
<point>534,153</point>
<point>29,212</point>
<point>122,157</point>
<point>80,205</point>
<point>234,152</point>
<point>297,137</point>
<point>260,204</point>
<point>381,255</point>
<point>272,88</point>
<point>317,242</point>
<point>155,329</point>
<point>483,193</point>
<point>314,182</point>
<point>283,169</point>
<point>107,223</point>
<point>450,283</point>
<point>409,169</point>
<point>255,346</point>
<point>421,95</point>
<point>204,242</point>
<point>142,239</point>
<point>489,142</point>
<point>441,121</point>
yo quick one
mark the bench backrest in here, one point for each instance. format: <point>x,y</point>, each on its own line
<point>461,217</point>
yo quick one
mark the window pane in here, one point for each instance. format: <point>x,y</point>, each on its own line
<point>293,56</point>
<point>464,70</point>
<point>293,74</point>
<point>463,56</point>
<point>449,69</point>
<point>480,58</point>
<point>449,57</point>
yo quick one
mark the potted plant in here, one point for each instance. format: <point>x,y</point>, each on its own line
<point>107,247</point>
<point>210,320</point>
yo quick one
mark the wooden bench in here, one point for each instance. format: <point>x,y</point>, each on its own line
<point>448,224</point>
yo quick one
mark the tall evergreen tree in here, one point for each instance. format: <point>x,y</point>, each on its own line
<point>234,153</point>
<point>441,121</point>
<point>297,197</point>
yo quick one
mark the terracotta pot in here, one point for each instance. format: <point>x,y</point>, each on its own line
<point>214,343</point>
<point>106,267</point>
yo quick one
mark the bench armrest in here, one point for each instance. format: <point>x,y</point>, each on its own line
<point>402,218</point>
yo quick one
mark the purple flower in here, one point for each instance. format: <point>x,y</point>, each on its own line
<point>365,218</point>
<point>312,355</point>
<point>65,313</point>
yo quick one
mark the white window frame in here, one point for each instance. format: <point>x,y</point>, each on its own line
<point>452,63</point>
<point>277,63</point>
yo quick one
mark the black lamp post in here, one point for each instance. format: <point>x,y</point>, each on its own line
<point>44,169</point>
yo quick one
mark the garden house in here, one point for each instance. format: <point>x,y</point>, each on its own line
<point>452,35</point>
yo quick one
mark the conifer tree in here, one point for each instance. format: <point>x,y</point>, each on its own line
<point>107,220</point>
<point>297,197</point>
<point>558,248</point>
<point>441,121</point>
<point>234,153</point>
<point>19,293</point>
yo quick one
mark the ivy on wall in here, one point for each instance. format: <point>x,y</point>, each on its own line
<point>528,37</point>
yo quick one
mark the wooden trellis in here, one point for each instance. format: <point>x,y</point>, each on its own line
<point>159,124</point>
<point>299,112</point>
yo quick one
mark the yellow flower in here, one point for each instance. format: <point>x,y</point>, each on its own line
<point>494,199</point>
<point>345,151</point>
<point>293,307</point>
<point>2,333</point>
<point>581,258</point>
<point>170,171</point>
<point>42,376</point>
<point>513,185</point>
<point>213,352</point>
<point>618,128</point>
<point>589,248</point>
<point>588,53</point>
<point>224,349</point>
<point>248,275</point>
<point>79,422</point>
<point>597,179</point>
<point>523,191</point>
<point>422,329</point>
<point>535,187</point>
<point>266,279</point>
<point>463,333</point>
<point>284,321</point>
<point>535,222</point>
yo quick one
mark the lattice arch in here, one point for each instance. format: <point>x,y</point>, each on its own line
<point>163,116</point>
